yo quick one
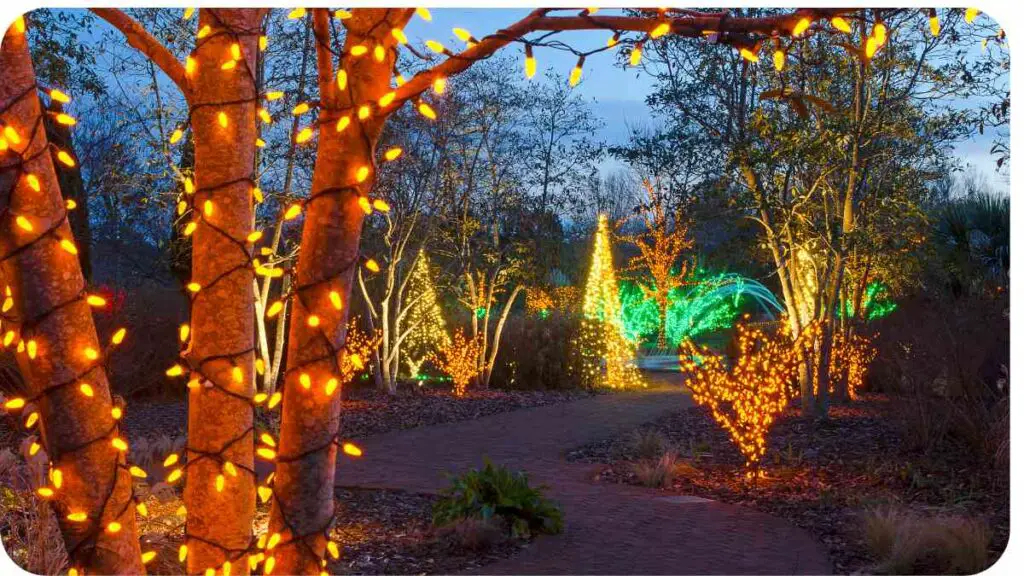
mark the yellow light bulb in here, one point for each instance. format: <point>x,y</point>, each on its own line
<point>801,26</point>
<point>341,80</point>
<point>660,30</point>
<point>293,211</point>
<point>119,335</point>
<point>841,24</point>
<point>343,123</point>
<point>399,36</point>
<point>435,46</point>
<point>426,111</point>
<point>304,135</point>
<point>86,390</point>
<point>439,85</point>
<point>424,13</point>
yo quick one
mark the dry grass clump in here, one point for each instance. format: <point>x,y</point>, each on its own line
<point>31,536</point>
<point>648,444</point>
<point>902,542</point>
<point>657,473</point>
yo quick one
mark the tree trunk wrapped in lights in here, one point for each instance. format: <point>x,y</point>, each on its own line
<point>46,310</point>
<point>603,340</point>
<point>218,82</point>
<point>747,393</point>
<point>349,126</point>
<point>222,105</point>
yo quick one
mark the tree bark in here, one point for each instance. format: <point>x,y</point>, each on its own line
<point>49,291</point>
<point>220,425</point>
<point>303,506</point>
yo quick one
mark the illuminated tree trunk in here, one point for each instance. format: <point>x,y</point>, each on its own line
<point>43,273</point>
<point>220,427</point>
<point>303,507</point>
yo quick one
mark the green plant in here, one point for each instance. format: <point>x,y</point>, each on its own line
<point>495,491</point>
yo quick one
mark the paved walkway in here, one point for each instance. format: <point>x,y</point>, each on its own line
<point>609,529</point>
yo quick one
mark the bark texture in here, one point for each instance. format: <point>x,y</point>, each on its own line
<point>220,423</point>
<point>303,506</point>
<point>50,309</point>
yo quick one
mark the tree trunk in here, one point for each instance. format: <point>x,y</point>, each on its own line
<point>46,282</point>
<point>220,424</point>
<point>495,342</point>
<point>303,507</point>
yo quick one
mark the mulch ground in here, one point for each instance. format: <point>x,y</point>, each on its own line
<point>364,411</point>
<point>377,531</point>
<point>820,475</point>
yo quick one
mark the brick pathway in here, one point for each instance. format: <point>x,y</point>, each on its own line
<point>609,529</point>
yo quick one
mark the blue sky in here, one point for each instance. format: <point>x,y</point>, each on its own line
<point>617,95</point>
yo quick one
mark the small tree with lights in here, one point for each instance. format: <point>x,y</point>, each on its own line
<point>458,359</point>
<point>745,394</point>
<point>662,242</point>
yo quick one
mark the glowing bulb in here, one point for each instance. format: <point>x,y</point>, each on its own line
<point>426,111</point>
<point>779,59</point>
<point>635,54</point>
<point>332,385</point>
<point>749,55</point>
<point>296,13</point>
<point>358,50</point>
<point>118,336</point>
<point>362,173</point>
<point>222,119</point>
<point>435,46</point>
<point>839,23</point>
<point>343,123</point>
<point>293,211</point>
<point>203,32</point>
<point>119,444</point>
<point>530,66</point>
<point>971,14</point>
<point>275,309</point>
<point>801,26</point>
<point>86,390</point>
<point>399,36</point>
<point>175,370</point>
<point>341,79</point>
<point>342,14</point>
<point>304,135</point>
<point>97,301</point>
<point>424,13</point>
<point>577,73</point>
<point>77,516</point>
<point>313,320</point>
<point>351,449</point>
<point>372,265</point>
<point>335,298</point>
<point>660,30</point>
<point>363,112</point>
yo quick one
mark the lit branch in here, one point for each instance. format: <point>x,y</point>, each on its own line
<point>739,31</point>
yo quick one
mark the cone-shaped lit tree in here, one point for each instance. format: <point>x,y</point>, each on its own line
<point>427,330</point>
<point>603,341</point>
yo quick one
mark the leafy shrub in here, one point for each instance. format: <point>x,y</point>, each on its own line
<point>535,353</point>
<point>497,492</point>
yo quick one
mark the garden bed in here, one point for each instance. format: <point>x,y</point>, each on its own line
<point>377,531</point>
<point>822,476</point>
<point>365,411</point>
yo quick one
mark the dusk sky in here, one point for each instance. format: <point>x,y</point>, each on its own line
<point>617,95</point>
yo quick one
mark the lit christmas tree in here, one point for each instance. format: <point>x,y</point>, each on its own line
<point>608,354</point>
<point>428,332</point>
